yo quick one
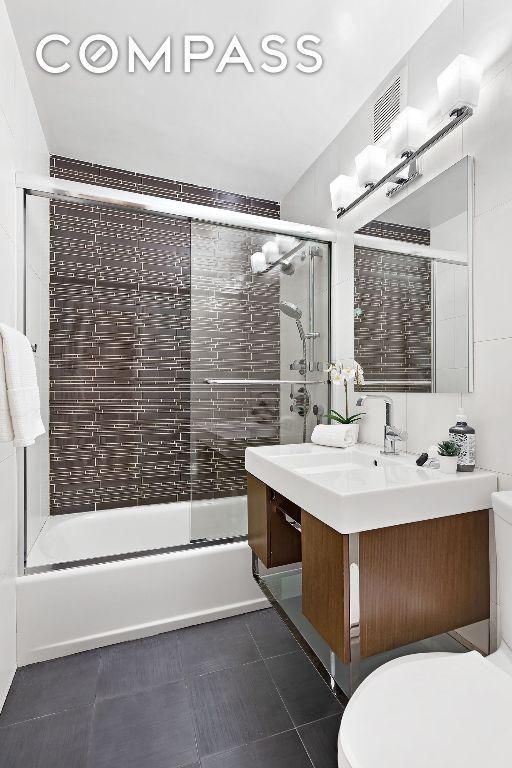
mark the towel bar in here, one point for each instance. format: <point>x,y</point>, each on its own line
<point>245,382</point>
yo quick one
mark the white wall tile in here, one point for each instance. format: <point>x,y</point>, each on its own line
<point>8,548</point>
<point>7,279</point>
<point>492,265</point>
<point>504,482</point>
<point>7,171</point>
<point>343,258</point>
<point>300,204</point>
<point>431,54</point>
<point>342,319</point>
<point>7,632</point>
<point>9,521</point>
<point>488,34</point>
<point>488,137</point>
<point>429,418</point>
<point>489,407</point>
<point>443,155</point>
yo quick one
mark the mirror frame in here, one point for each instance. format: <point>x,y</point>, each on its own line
<point>470,219</point>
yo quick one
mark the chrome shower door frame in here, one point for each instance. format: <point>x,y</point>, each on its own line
<point>88,194</point>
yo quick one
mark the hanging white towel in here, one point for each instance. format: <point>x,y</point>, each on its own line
<point>333,435</point>
<point>20,409</point>
<point>6,431</point>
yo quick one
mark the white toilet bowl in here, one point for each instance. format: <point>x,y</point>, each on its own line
<point>439,710</point>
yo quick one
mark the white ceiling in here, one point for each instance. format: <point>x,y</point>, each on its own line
<point>249,133</point>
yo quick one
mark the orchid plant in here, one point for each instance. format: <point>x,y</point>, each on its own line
<point>343,372</point>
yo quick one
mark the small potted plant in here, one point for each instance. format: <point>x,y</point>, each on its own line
<point>448,451</point>
<point>342,372</point>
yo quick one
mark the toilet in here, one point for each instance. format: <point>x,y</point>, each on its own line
<point>440,710</point>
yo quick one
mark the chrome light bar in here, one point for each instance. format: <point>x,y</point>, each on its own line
<point>458,117</point>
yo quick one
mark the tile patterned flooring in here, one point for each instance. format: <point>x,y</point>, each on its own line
<point>236,693</point>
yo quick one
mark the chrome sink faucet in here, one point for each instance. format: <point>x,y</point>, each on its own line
<point>392,435</point>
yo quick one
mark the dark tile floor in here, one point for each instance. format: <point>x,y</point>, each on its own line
<point>236,693</point>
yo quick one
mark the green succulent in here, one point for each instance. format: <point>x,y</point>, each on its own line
<point>337,417</point>
<point>448,448</point>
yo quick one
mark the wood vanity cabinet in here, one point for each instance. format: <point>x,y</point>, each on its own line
<point>271,538</point>
<point>416,580</point>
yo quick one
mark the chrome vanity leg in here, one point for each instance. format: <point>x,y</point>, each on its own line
<point>493,616</point>
<point>354,611</point>
<point>332,668</point>
<point>255,566</point>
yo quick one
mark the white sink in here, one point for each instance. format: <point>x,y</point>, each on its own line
<point>357,489</point>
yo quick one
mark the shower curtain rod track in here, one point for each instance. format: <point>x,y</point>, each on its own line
<point>90,194</point>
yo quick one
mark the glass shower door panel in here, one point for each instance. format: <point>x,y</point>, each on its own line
<point>116,357</point>
<point>234,336</point>
<point>239,335</point>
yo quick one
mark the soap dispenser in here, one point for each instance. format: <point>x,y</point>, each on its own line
<point>464,436</point>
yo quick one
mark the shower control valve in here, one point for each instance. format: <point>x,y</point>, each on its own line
<point>301,401</point>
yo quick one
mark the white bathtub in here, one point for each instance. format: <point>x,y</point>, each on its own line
<point>84,607</point>
<point>76,609</point>
<point>85,535</point>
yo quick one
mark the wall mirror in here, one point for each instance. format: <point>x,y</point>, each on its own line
<point>412,289</point>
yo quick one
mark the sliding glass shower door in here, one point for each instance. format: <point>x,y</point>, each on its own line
<point>242,346</point>
<point>162,354</point>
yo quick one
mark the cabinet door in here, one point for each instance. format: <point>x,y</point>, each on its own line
<point>325,585</point>
<point>422,579</point>
<point>258,501</point>
<point>271,537</point>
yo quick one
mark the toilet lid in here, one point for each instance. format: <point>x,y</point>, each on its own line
<point>430,711</point>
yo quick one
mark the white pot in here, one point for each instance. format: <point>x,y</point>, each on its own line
<point>355,432</point>
<point>448,464</point>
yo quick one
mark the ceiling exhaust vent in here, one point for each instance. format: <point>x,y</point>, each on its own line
<point>390,102</point>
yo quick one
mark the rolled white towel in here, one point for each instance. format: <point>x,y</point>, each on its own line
<point>333,435</point>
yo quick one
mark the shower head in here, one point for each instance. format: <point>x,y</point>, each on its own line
<point>290,309</point>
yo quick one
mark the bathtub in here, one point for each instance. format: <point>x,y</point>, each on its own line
<point>85,535</point>
<point>83,607</point>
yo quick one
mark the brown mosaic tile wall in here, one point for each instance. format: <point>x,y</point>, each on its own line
<point>120,349</point>
<point>90,173</point>
<point>392,335</point>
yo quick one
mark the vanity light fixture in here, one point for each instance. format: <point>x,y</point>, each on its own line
<point>458,86</point>
<point>408,131</point>
<point>344,189</point>
<point>458,89</point>
<point>370,165</point>
<point>258,262</point>
<point>270,250</point>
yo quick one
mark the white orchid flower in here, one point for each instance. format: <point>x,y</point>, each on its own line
<point>345,371</point>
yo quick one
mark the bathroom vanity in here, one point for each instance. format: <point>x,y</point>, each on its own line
<point>391,553</point>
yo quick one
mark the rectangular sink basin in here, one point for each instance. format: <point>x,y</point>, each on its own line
<point>357,489</point>
<point>313,463</point>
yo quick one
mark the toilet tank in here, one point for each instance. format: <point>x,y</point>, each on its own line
<point>502,505</point>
